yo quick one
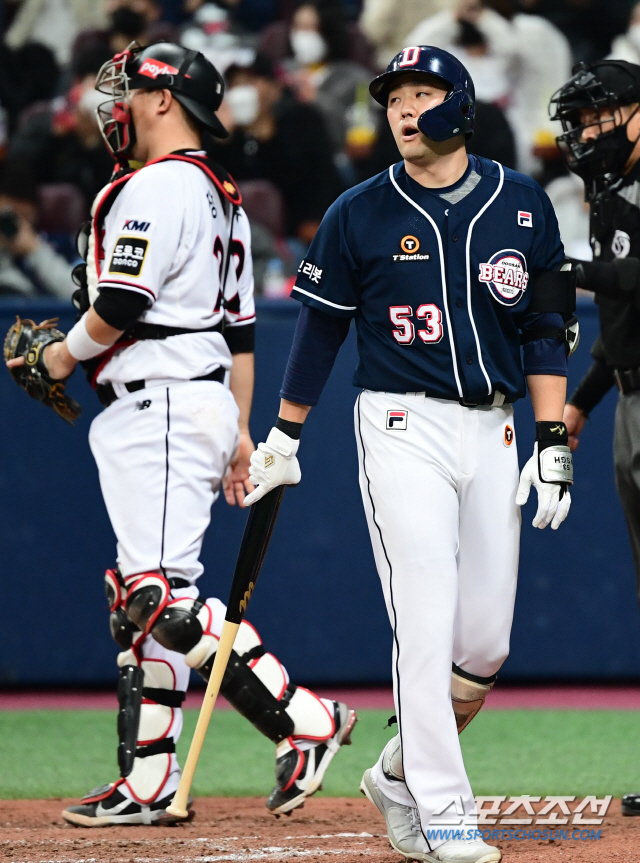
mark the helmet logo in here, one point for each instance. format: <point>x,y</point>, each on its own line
<point>410,56</point>
<point>152,68</point>
<point>621,244</point>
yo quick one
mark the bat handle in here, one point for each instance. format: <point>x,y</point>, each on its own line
<point>178,806</point>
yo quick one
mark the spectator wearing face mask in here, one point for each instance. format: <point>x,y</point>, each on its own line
<point>627,46</point>
<point>274,137</point>
<point>29,266</point>
<point>320,72</point>
<point>62,142</point>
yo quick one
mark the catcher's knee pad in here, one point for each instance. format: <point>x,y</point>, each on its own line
<point>468,693</point>
<point>123,630</point>
<point>258,687</point>
<point>182,624</point>
<point>148,700</point>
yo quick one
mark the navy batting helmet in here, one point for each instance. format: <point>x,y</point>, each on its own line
<point>454,116</point>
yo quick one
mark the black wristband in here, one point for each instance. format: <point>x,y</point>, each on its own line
<point>551,434</point>
<point>289,428</point>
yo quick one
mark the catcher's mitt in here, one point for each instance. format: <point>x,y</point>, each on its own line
<point>28,339</point>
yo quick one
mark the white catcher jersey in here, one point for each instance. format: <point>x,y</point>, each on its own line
<point>166,236</point>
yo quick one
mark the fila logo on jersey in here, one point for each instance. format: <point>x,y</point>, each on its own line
<point>410,246</point>
<point>525,220</point>
<point>506,276</point>
<point>135,225</point>
<point>508,435</point>
<point>397,420</point>
<point>128,256</point>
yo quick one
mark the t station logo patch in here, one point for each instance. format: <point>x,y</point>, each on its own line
<point>410,246</point>
<point>506,276</point>
<point>397,420</point>
<point>508,436</point>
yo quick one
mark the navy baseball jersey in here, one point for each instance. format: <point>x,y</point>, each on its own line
<point>438,289</point>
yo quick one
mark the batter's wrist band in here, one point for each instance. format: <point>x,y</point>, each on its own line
<point>551,434</point>
<point>293,430</point>
<point>80,344</point>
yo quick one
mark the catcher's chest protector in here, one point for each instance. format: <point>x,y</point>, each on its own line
<point>224,183</point>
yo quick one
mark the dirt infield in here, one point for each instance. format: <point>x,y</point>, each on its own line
<point>231,829</point>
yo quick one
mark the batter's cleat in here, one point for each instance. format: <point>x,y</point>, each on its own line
<point>406,837</point>
<point>631,804</point>
<point>403,822</point>
<point>104,808</point>
<point>300,774</point>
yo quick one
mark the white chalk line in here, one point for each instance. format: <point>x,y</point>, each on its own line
<point>270,854</point>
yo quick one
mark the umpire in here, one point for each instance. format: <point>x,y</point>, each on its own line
<point>600,116</point>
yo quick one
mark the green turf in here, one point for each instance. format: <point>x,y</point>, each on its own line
<point>60,753</point>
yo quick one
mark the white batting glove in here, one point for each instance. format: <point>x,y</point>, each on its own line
<point>274,463</point>
<point>550,470</point>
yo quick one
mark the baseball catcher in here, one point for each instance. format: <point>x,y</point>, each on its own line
<point>166,338</point>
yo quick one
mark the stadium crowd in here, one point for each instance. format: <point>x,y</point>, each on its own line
<point>303,127</point>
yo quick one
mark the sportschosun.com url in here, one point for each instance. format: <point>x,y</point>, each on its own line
<point>520,835</point>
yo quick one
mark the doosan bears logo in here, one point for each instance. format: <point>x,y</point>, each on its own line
<point>152,68</point>
<point>506,276</point>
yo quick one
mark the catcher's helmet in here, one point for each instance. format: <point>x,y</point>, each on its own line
<point>452,117</point>
<point>191,78</point>
<point>605,84</point>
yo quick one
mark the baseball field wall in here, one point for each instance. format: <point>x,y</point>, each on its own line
<point>318,604</point>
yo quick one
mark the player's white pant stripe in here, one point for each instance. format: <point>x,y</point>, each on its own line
<point>321,300</point>
<point>395,621</point>
<point>473,323</point>
<point>166,481</point>
<point>442,272</point>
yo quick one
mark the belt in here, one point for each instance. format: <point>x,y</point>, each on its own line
<point>495,400</point>
<point>107,394</point>
<point>627,380</point>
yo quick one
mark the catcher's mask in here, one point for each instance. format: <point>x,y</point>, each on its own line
<point>593,97</point>
<point>191,78</point>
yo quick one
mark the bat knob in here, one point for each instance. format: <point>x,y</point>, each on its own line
<point>177,811</point>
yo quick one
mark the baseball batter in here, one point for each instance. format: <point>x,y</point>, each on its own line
<point>167,341</point>
<point>447,263</point>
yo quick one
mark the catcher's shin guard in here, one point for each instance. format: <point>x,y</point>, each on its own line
<point>258,687</point>
<point>468,692</point>
<point>148,769</point>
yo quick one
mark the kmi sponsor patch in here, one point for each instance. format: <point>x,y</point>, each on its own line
<point>128,256</point>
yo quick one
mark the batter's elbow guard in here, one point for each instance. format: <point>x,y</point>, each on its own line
<point>554,291</point>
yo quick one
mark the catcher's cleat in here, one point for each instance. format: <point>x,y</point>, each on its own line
<point>631,804</point>
<point>406,836</point>
<point>300,774</point>
<point>106,806</point>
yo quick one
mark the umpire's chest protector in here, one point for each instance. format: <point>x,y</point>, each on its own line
<point>438,289</point>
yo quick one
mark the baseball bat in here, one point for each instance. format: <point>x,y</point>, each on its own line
<point>253,549</point>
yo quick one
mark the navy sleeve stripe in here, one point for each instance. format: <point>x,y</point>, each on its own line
<point>322,300</point>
